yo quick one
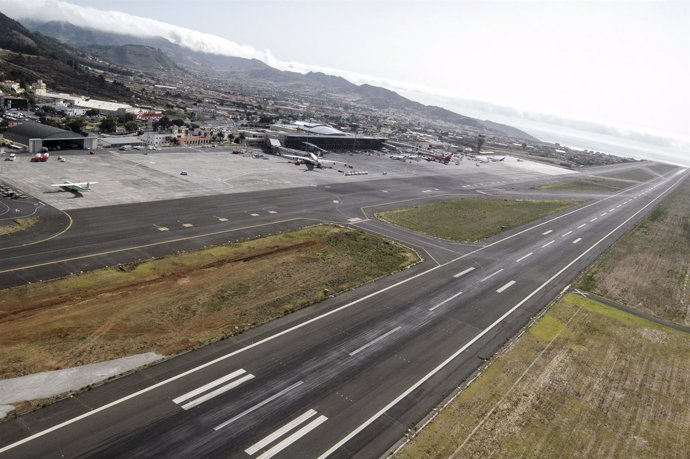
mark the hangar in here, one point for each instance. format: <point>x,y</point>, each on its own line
<point>36,136</point>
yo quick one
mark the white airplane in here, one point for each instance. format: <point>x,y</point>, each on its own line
<point>74,187</point>
<point>310,160</point>
<point>405,157</point>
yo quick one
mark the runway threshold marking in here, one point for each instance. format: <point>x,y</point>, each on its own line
<point>258,405</point>
<point>445,301</point>
<point>214,393</point>
<point>505,287</point>
<point>374,341</point>
<point>302,324</point>
<point>523,257</point>
<point>278,447</point>
<point>491,275</point>
<point>477,337</point>
<point>462,273</point>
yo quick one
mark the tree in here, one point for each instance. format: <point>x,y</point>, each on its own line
<point>164,122</point>
<point>108,125</point>
<point>178,122</point>
<point>131,126</point>
<point>75,124</point>
<point>93,112</point>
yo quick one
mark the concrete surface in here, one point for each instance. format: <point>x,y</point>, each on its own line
<point>52,383</point>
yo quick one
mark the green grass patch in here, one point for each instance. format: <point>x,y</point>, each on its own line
<point>589,184</point>
<point>469,220</point>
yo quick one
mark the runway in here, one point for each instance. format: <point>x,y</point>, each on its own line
<point>345,378</point>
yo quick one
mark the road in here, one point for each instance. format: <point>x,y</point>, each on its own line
<point>345,378</point>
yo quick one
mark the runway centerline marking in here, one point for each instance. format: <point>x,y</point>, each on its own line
<point>523,257</point>
<point>374,341</point>
<point>445,301</point>
<point>603,214</point>
<point>577,240</point>
<point>594,219</point>
<point>258,405</point>
<point>254,214</point>
<point>564,235</point>
<point>582,226</point>
<point>491,275</point>
<point>548,243</point>
<point>547,232</point>
<point>505,287</point>
<point>462,273</point>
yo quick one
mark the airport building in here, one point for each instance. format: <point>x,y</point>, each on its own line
<point>36,136</point>
<point>307,136</point>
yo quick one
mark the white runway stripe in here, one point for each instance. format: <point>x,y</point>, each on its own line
<point>208,386</point>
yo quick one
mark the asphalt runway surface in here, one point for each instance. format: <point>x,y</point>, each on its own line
<point>345,378</point>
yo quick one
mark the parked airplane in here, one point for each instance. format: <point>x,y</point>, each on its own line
<point>405,157</point>
<point>75,188</point>
<point>431,156</point>
<point>310,160</point>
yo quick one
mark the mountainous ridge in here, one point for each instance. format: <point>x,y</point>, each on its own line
<point>109,46</point>
<point>34,56</point>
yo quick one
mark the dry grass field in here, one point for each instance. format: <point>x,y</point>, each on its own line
<point>182,301</point>
<point>19,224</point>
<point>469,220</point>
<point>586,380</point>
<point>649,268</point>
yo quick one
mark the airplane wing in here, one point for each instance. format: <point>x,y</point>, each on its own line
<point>306,159</point>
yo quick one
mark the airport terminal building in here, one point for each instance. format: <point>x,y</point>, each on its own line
<point>306,136</point>
<point>36,136</point>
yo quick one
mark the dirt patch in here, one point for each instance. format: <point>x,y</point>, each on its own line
<point>16,225</point>
<point>570,387</point>
<point>179,302</point>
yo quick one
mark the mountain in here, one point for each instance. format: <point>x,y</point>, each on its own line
<point>134,51</point>
<point>86,38</point>
<point>34,56</point>
<point>140,57</point>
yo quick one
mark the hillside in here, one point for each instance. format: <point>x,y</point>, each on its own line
<point>140,57</point>
<point>32,56</point>
<point>137,52</point>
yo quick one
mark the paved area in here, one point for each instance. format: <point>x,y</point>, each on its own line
<point>143,176</point>
<point>52,383</point>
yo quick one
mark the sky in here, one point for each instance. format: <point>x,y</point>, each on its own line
<point>621,63</point>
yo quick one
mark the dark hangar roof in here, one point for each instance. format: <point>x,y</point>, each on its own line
<point>33,130</point>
